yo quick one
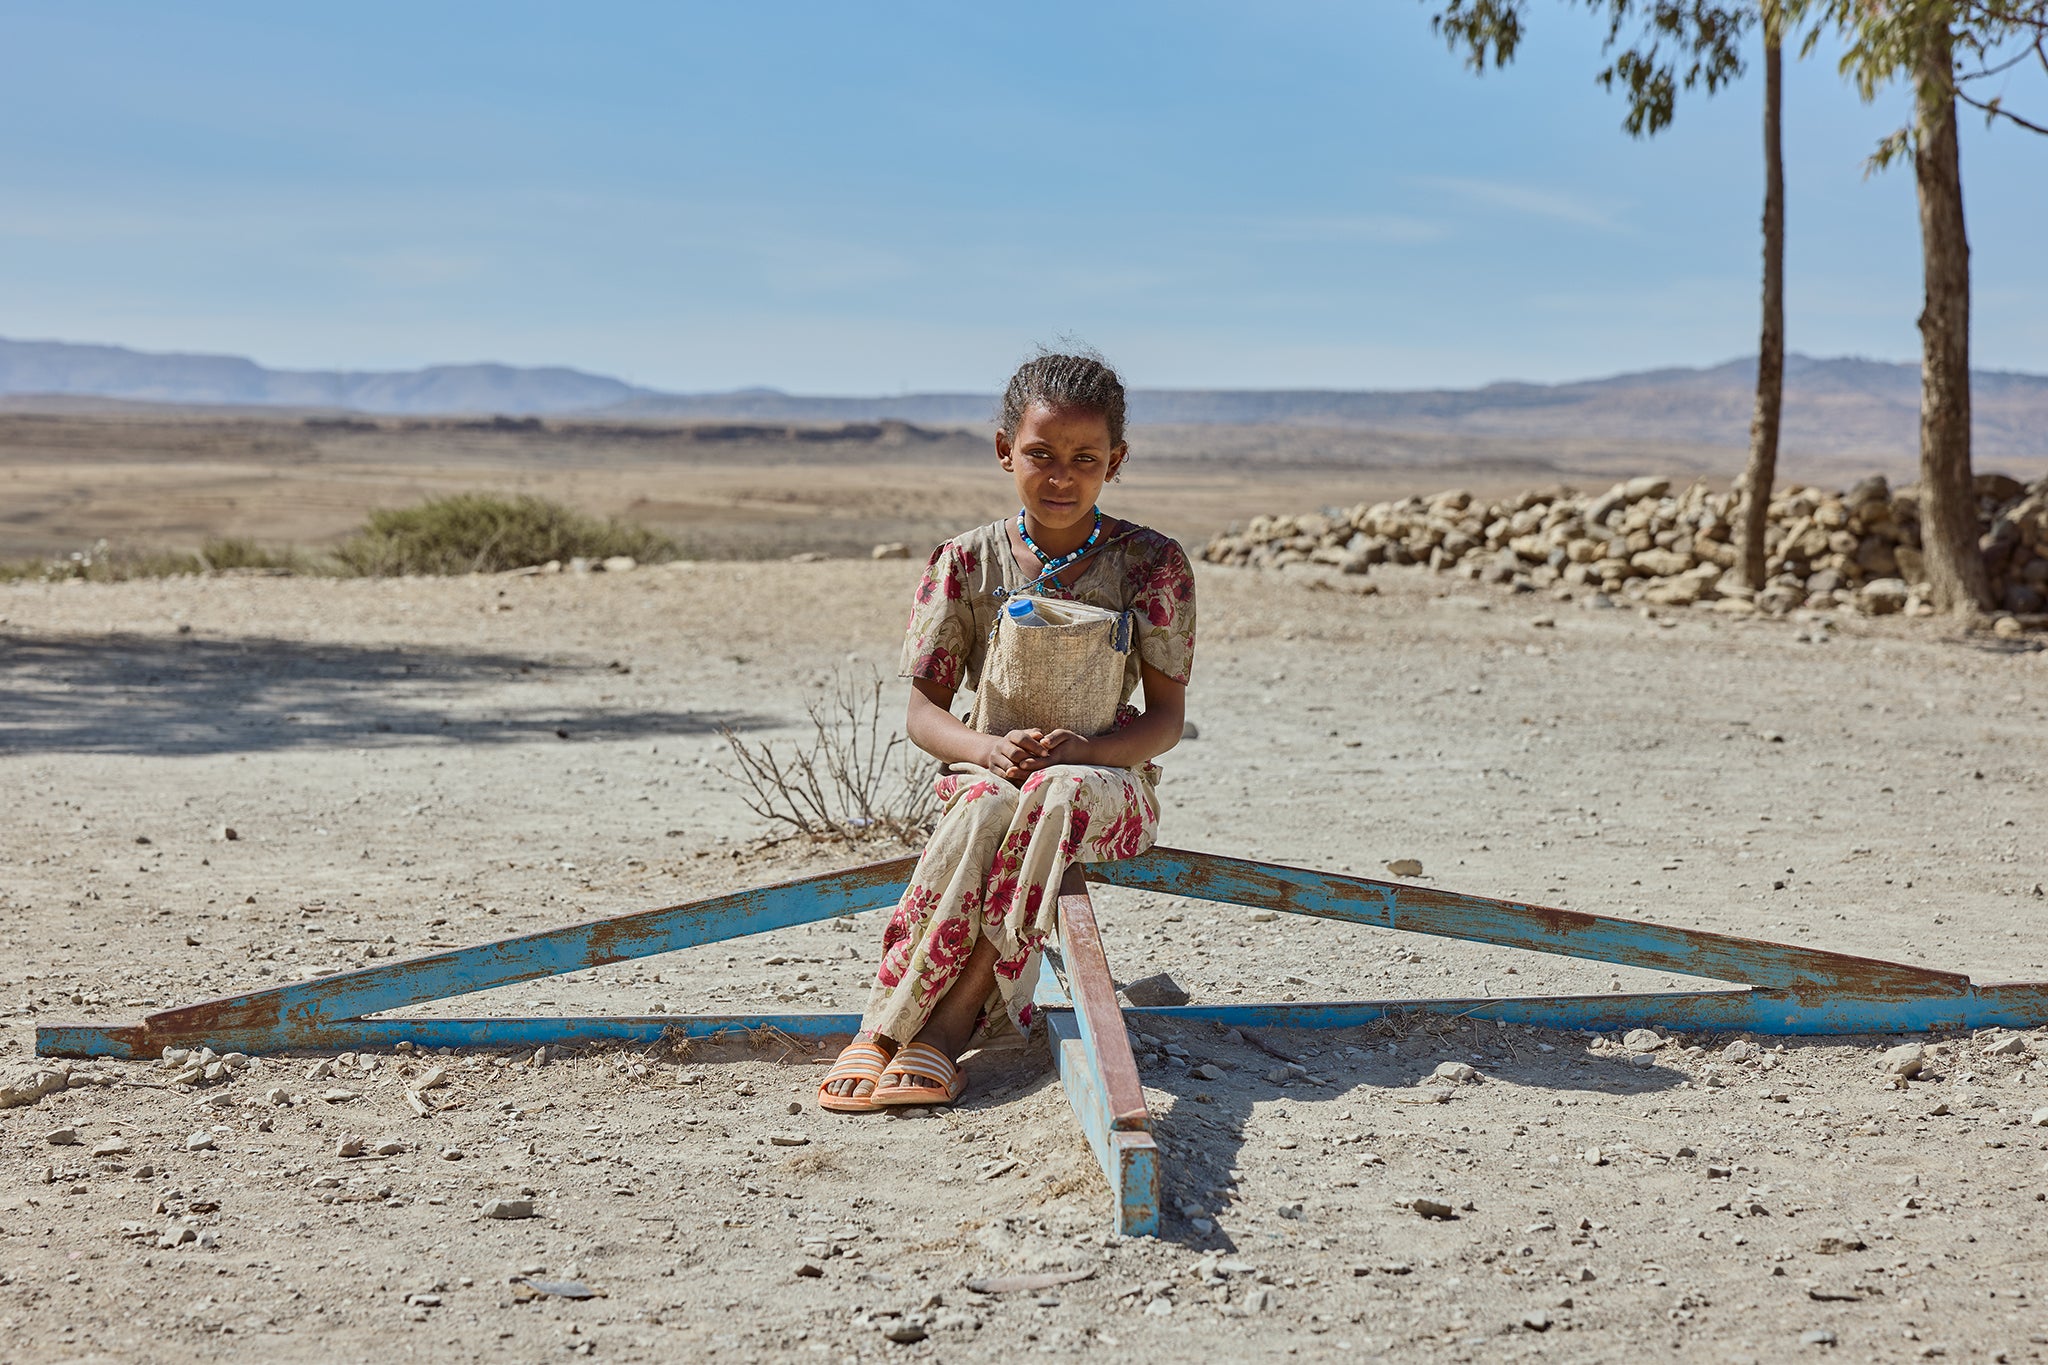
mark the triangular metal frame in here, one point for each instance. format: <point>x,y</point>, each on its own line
<point>1776,988</point>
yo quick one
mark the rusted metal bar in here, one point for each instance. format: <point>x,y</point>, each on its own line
<point>1129,1158</point>
<point>1096,1013</point>
<point>281,1017</point>
<point>1812,975</point>
<point>341,1035</point>
<point>2015,1006</point>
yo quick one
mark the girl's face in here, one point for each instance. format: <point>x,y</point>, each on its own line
<point>1060,458</point>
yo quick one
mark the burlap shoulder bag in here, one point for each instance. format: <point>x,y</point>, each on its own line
<point>1067,673</point>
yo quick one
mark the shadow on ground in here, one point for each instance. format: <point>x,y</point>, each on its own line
<point>192,695</point>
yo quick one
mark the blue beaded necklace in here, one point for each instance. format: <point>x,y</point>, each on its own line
<point>1051,565</point>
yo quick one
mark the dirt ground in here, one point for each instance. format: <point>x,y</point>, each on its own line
<point>413,763</point>
<point>723,490</point>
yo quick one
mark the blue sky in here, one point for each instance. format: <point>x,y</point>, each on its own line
<point>856,198</point>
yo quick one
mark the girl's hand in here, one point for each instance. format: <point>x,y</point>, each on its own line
<point>1015,755</point>
<point>1065,746</point>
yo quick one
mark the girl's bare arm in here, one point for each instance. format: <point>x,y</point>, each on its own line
<point>934,728</point>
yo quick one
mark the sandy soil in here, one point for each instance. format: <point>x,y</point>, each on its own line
<point>391,757</point>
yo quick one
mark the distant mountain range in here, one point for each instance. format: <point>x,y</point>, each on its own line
<point>1832,406</point>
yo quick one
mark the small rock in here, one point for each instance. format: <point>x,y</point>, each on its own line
<point>1819,1336</point>
<point>1741,1050</point>
<point>1642,1040</point>
<point>1188,730</point>
<point>1156,990</point>
<point>113,1146</point>
<point>62,1137</point>
<point>1264,916</point>
<point>620,564</point>
<point>390,1147</point>
<point>894,549</point>
<point>176,1235</point>
<point>276,1095</point>
<point>1159,1308</point>
<point>2039,1119</point>
<point>806,1270</point>
<point>1279,1075</point>
<point>451,1154</point>
<point>1586,1275</point>
<point>1258,1301</point>
<point>2011,1045</point>
<point>788,1140</point>
<point>1207,1071</point>
<point>433,1079</point>
<point>539,1057</point>
<point>1593,1156</point>
<point>338,1095</point>
<point>1458,1073</point>
<point>1431,1208</point>
<point>201,1141</point>
<point>1904,1060</point>
<point>1835,1243</point>
<point>348,1144</point>
<point>508,1208</point>
<point>1537,1321</point>
<point>1404,867</point>
<point>902,1333</point>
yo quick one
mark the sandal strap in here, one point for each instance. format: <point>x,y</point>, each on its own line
<point>922,1059</point>
<point>860,1061</point>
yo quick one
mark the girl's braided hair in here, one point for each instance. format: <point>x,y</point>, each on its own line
<point>1065,381</point>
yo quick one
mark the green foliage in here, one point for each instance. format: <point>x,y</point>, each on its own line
<point>1887,41</point>
<point>484,533</point>
<point>1679,44</point>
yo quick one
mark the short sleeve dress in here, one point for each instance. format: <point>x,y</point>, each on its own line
<point>993,866</point>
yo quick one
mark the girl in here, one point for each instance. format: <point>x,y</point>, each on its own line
<point>960,956</point>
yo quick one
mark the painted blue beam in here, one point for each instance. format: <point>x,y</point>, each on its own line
<point>279,1017</point>
<point>1129,1160</point>
<point>96,1040</point>
<point>1807,972</point>
<point>1753,1011</point>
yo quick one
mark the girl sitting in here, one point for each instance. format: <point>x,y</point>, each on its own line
<point>960,955</point>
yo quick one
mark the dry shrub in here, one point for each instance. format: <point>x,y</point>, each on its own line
<point>851,783</point>
<point>485,533</point>
<point>104,563</point>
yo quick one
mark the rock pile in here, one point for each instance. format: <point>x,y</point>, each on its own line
<point>1639,539</point>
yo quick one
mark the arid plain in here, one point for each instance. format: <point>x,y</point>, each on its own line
<point>412,762</point>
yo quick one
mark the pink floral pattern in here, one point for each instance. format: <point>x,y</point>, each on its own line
<point>993,866</point>
<point>1140,571</point>
<point>991,872</point>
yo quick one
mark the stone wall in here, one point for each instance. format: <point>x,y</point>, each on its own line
<point>1643,541</point>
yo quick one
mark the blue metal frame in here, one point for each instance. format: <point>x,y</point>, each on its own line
<point>1781,988</point>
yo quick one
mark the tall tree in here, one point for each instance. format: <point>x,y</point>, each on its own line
<point>1683,43</point>
<point>1922,41</point>
<point>1770,351</point>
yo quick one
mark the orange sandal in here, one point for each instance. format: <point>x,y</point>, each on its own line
<point>860,1061</point>
<point>922,1060</point>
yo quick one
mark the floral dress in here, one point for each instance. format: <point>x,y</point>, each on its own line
<point>993,866</point>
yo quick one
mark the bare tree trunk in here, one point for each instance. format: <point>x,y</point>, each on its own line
<point>1948,501</point>
<point>1770,357</point>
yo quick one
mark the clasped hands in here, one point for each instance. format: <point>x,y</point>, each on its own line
<point>1019,753</point>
